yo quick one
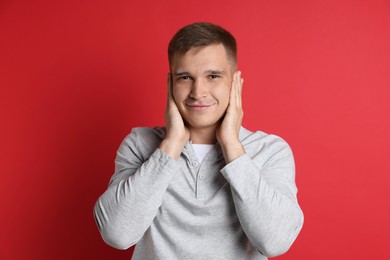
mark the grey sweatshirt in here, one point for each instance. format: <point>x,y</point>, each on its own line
<point>183,209</point>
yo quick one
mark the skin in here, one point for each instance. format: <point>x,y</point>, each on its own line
<point>204,102</point>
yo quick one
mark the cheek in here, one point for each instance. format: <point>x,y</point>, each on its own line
<point>177,94</point>
<point>223,94</point>
<point>225,102</point>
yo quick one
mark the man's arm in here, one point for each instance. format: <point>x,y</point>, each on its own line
<point>265,196</point>
<point>127,208</point>
<point>265,199</point>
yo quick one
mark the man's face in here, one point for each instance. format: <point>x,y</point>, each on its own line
<point>202,79</point>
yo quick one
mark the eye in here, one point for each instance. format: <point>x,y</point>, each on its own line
<point>213,76</point>
<point>184,78</point>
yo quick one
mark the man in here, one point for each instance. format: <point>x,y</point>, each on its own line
<point>203,187</point>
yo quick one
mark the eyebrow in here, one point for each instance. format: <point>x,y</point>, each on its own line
<point>214,72</point>
<point>178,74</point>
<point>207,72</point>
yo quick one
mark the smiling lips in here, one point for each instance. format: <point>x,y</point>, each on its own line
<point>199,106</point>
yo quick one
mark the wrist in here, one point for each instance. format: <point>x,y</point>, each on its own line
<point>172,147</point>
<point>232,151</point>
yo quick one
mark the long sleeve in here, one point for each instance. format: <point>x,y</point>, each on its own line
<point>264,194</point>
<point>142,174</point>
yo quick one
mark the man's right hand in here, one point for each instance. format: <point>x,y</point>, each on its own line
<point>177,133</point>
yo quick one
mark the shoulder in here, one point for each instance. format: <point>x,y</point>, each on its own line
<point>147,133</point>
<point>264,145</point>
<point>248,137</point>
<point>144,139</point>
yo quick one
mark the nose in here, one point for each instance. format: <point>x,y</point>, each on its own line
<point>198,90</point>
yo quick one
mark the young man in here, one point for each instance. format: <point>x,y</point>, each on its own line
<point>203,187</point>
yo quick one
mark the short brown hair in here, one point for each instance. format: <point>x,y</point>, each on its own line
<point>202,34</point>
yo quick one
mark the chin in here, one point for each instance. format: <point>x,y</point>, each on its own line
<point>199,124</point>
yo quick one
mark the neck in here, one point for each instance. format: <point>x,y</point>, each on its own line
<point>203,135</point>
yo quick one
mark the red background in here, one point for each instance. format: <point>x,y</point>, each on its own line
<point>76,76</point>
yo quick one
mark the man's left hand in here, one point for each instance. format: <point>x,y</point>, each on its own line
<point>228,130</point>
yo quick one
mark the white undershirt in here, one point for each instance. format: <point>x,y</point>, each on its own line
<point>201,150</point>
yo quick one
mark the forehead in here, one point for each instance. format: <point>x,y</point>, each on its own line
<point>205,56</point>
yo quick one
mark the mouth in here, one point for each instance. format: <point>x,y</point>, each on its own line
<point>199,107</point>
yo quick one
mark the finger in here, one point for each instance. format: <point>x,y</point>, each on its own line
<point>169,80</point>
<point>238,89</point>
<point>168,90</point>
<point>169,87</point>
<point>240,85</point>
<point>232,98</point>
